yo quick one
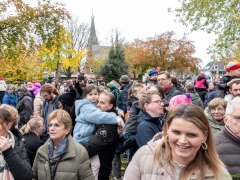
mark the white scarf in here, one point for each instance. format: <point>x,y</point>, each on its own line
<point>5,173</point>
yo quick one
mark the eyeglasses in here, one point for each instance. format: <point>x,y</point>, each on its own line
<point>161,79</point>
<point>56,125</point>
<point>236,118</point>
<point>217,109</point>
<point>157,102</point>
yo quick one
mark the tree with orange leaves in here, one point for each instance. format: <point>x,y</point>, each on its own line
<point>165,51</point>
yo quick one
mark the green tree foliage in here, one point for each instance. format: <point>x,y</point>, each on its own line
<point>23,29</point>
<point>218,16</point>
<point>115,65</point>
<point>60,57</point>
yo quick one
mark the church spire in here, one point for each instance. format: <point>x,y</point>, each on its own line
<point>92,40</point>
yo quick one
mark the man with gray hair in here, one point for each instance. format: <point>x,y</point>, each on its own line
<point>228,140</point>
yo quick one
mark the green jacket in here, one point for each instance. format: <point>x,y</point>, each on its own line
<point>74,165</point>
<point>216,126</point>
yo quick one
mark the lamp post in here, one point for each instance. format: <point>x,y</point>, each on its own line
<point>217,73</point>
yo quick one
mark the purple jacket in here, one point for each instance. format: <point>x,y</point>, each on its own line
<point>35,89</point>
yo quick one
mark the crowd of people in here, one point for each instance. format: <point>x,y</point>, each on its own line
<point>170,130</point>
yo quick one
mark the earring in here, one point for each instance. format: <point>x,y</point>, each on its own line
<point>167,137</point>
<point>204,145</point>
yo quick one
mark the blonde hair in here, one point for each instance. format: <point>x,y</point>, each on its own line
<point>13,111</point>
<point>62,116</point>
<point>204,158</point>
<point>31,125</point>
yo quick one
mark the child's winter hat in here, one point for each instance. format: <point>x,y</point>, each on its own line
<point>232,66</point>
<point>202,73</point>
<point>180,99</point>
<point>152,72</point>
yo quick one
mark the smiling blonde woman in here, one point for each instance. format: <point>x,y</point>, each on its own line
<point>186,151</point>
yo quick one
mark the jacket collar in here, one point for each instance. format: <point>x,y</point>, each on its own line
<point>70,153</point>
<point>231,138</point>
<point>144,116</point>
<point>169,91</point>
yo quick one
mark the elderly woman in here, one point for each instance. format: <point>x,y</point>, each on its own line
<point>13,158</point>
<point>31,133</point>
<point>186,151</point>
<point>10,97</point>
<point>60,157</point>
<point>215,113</point>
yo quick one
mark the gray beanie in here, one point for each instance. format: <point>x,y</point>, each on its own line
<point>124,79</point>
<point>21,89</point>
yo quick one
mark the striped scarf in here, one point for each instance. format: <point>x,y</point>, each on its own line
<point>230,132</point>
<point>55,154</point>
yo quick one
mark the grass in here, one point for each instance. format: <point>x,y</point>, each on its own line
<point>124,164</point>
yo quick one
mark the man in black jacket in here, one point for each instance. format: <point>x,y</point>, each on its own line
<point>104,140</point>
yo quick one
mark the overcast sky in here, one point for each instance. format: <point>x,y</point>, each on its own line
<point>137,19</point>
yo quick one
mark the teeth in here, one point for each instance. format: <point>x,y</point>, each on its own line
<point>183,147</point>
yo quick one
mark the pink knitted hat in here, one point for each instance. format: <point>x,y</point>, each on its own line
<point>180,99</point>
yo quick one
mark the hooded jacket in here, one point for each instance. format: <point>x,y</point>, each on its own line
<point>142,166</point>
<point>195,98</point>
<point>216,126</point>
<point>25,107</point>
<point>132,122</point>
<point>172,92</point>
<point>35,89</point>
<point>10,99</point>
<point>87,117</point>
<point>130,101</point>
<point>211,94</point>
<point>73,165</point>
<point>147,128</point>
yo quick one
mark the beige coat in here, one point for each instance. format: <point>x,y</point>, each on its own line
<point>142,168</point>
<point>74,165</point>
<point>37,104</point>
